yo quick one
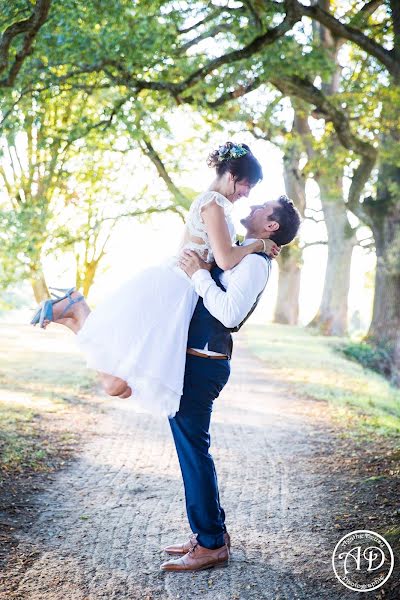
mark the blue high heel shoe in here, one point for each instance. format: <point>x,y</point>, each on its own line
<point>45,311</point>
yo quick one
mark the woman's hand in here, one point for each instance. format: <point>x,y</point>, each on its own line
<point>190,262</point>
<point>271,248</point>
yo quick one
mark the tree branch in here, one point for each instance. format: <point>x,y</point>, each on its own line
<point>260,42</point>
<point>296,86</point>
<point>303,88</point>
<point>310,218</point>
<point>209,17</point>
<point>318,217</point>
<point>318,243</point>
<point>134,213</point>
<point>369,8</point>
<point>148,211</point>
<point>241,90</point>
<point>203,36</point>
<point>253,11</point>
<point>318,211</point>
<point>347,32</point>
<point>123,77</point>
<point>358,181</point>
<point>395,9</point>
<point>368,242</point>
<point>28,27</point>
<point>149,150</point>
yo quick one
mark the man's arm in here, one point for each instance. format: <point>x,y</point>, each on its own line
<point>246,281</point>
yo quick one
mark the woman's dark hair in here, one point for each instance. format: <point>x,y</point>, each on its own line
<point>238,160</point>
<point>289,219</point>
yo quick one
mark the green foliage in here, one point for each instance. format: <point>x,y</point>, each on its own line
<point>38,144</point>
<point>375,358</point>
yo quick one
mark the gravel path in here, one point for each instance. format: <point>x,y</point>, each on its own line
<point>104,520</point>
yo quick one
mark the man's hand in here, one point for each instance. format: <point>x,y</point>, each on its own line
<point>190,262</point>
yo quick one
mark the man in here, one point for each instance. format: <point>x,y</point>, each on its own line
<point>226,301</point>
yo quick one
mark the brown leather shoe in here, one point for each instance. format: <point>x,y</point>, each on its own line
<point>198,558</point>
<point>181,549</point>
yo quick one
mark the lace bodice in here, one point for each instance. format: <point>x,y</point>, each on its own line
<point>195,237</point>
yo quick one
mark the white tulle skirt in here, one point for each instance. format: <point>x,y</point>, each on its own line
<point>139,333</point>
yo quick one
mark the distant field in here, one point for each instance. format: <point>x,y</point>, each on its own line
<point>311,365</point>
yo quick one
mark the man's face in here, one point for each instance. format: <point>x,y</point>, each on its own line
<point>258,218</point>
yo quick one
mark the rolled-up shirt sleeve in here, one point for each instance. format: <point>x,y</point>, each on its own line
<point>246,281</point>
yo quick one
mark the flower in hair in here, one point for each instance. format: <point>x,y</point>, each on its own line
<point>234,151</point>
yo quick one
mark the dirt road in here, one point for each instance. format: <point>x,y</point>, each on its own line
<point>103,521</point>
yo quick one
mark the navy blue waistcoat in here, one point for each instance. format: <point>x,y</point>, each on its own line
<point>204,328</point>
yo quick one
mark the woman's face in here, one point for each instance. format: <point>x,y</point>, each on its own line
<point>237,189</point>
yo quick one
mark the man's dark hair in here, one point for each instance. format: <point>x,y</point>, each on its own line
<point>288,217</point>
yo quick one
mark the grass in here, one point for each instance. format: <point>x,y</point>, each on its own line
<point>392,535</point>
<point>41,375</point>
<point>312,365</point>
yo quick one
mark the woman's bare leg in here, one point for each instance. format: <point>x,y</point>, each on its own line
<point>74,318</point>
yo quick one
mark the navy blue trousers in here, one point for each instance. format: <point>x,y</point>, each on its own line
<point>204,379</point>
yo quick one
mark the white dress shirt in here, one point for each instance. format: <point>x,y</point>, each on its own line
<point>243,283</point>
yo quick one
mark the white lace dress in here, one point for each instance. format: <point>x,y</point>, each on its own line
<point>139,333</point>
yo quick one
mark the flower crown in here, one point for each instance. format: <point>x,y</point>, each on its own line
<point>226,152</point>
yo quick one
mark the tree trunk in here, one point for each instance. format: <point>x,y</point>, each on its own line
<point>90,274</point>
<point>287,303</point>
<point>85,274</point>
<point>384,331</point>
<point>385,325</point>
<point>39,286</point>
<point>386,311</point>
<point>290,259</point>
<point>384,213</point>
<point>331,318</point>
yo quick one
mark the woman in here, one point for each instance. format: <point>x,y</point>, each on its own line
<point>136,338</point>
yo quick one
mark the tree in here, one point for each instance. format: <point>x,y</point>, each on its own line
<point>32,170</point>
<point>381,211</point>
<point>291,257</point>
<point>38,146</point>
<point>18,36</point>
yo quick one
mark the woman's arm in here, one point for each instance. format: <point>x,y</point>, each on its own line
<point>229,306</point>
<point>226,256</point>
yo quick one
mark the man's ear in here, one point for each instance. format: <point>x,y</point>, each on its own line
<point>271,226</point>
